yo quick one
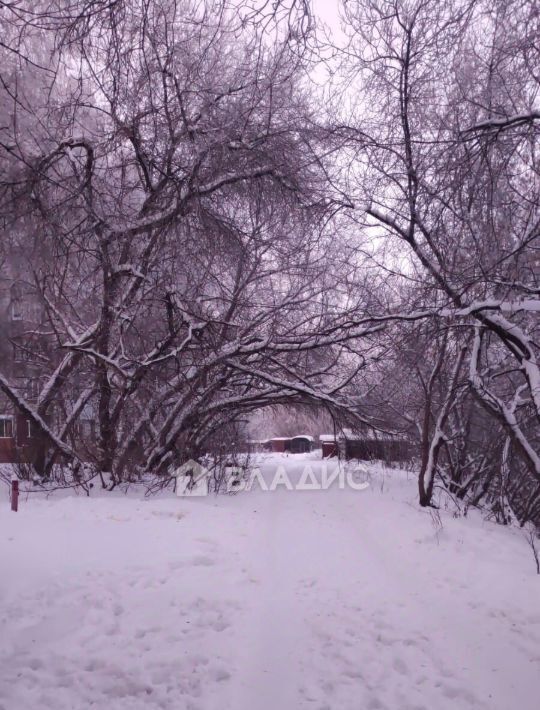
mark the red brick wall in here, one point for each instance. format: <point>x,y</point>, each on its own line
<point>7,450</point>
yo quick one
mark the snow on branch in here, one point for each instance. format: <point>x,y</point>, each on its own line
<point>502,124</point>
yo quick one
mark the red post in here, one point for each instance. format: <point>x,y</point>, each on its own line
<point>15,495</point>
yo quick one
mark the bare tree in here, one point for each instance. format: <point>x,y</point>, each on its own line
<point>181,269</point>
<point>447,167</point>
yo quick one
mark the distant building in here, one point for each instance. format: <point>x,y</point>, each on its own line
<point>374,445</point>
<point>257,446</point>
<point>28,354</point>
<point>280,444</point>
<point>301,444</point>
<point>329,445</point>
<point>24,353</point>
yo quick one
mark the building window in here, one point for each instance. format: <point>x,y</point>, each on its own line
<point>26,352</point>
<point>15,307</point>
<point>86,428</point>
<point>6,427</point>
<point>32,389</point>
<point>16,310</point>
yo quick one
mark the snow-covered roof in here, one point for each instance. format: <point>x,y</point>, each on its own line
<point>327,437</point>
<point>372,434</point>
<point>304,436</point>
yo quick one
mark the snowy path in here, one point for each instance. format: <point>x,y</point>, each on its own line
<point>336,600</point>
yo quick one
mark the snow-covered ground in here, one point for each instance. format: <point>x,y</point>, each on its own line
<point>336,600</point>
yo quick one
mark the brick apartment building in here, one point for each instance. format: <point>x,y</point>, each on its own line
<point>24,356</point>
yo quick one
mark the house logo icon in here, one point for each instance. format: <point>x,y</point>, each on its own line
<point>191,479</point>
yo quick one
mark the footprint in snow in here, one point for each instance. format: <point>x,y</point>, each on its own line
<point>203,561</point>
